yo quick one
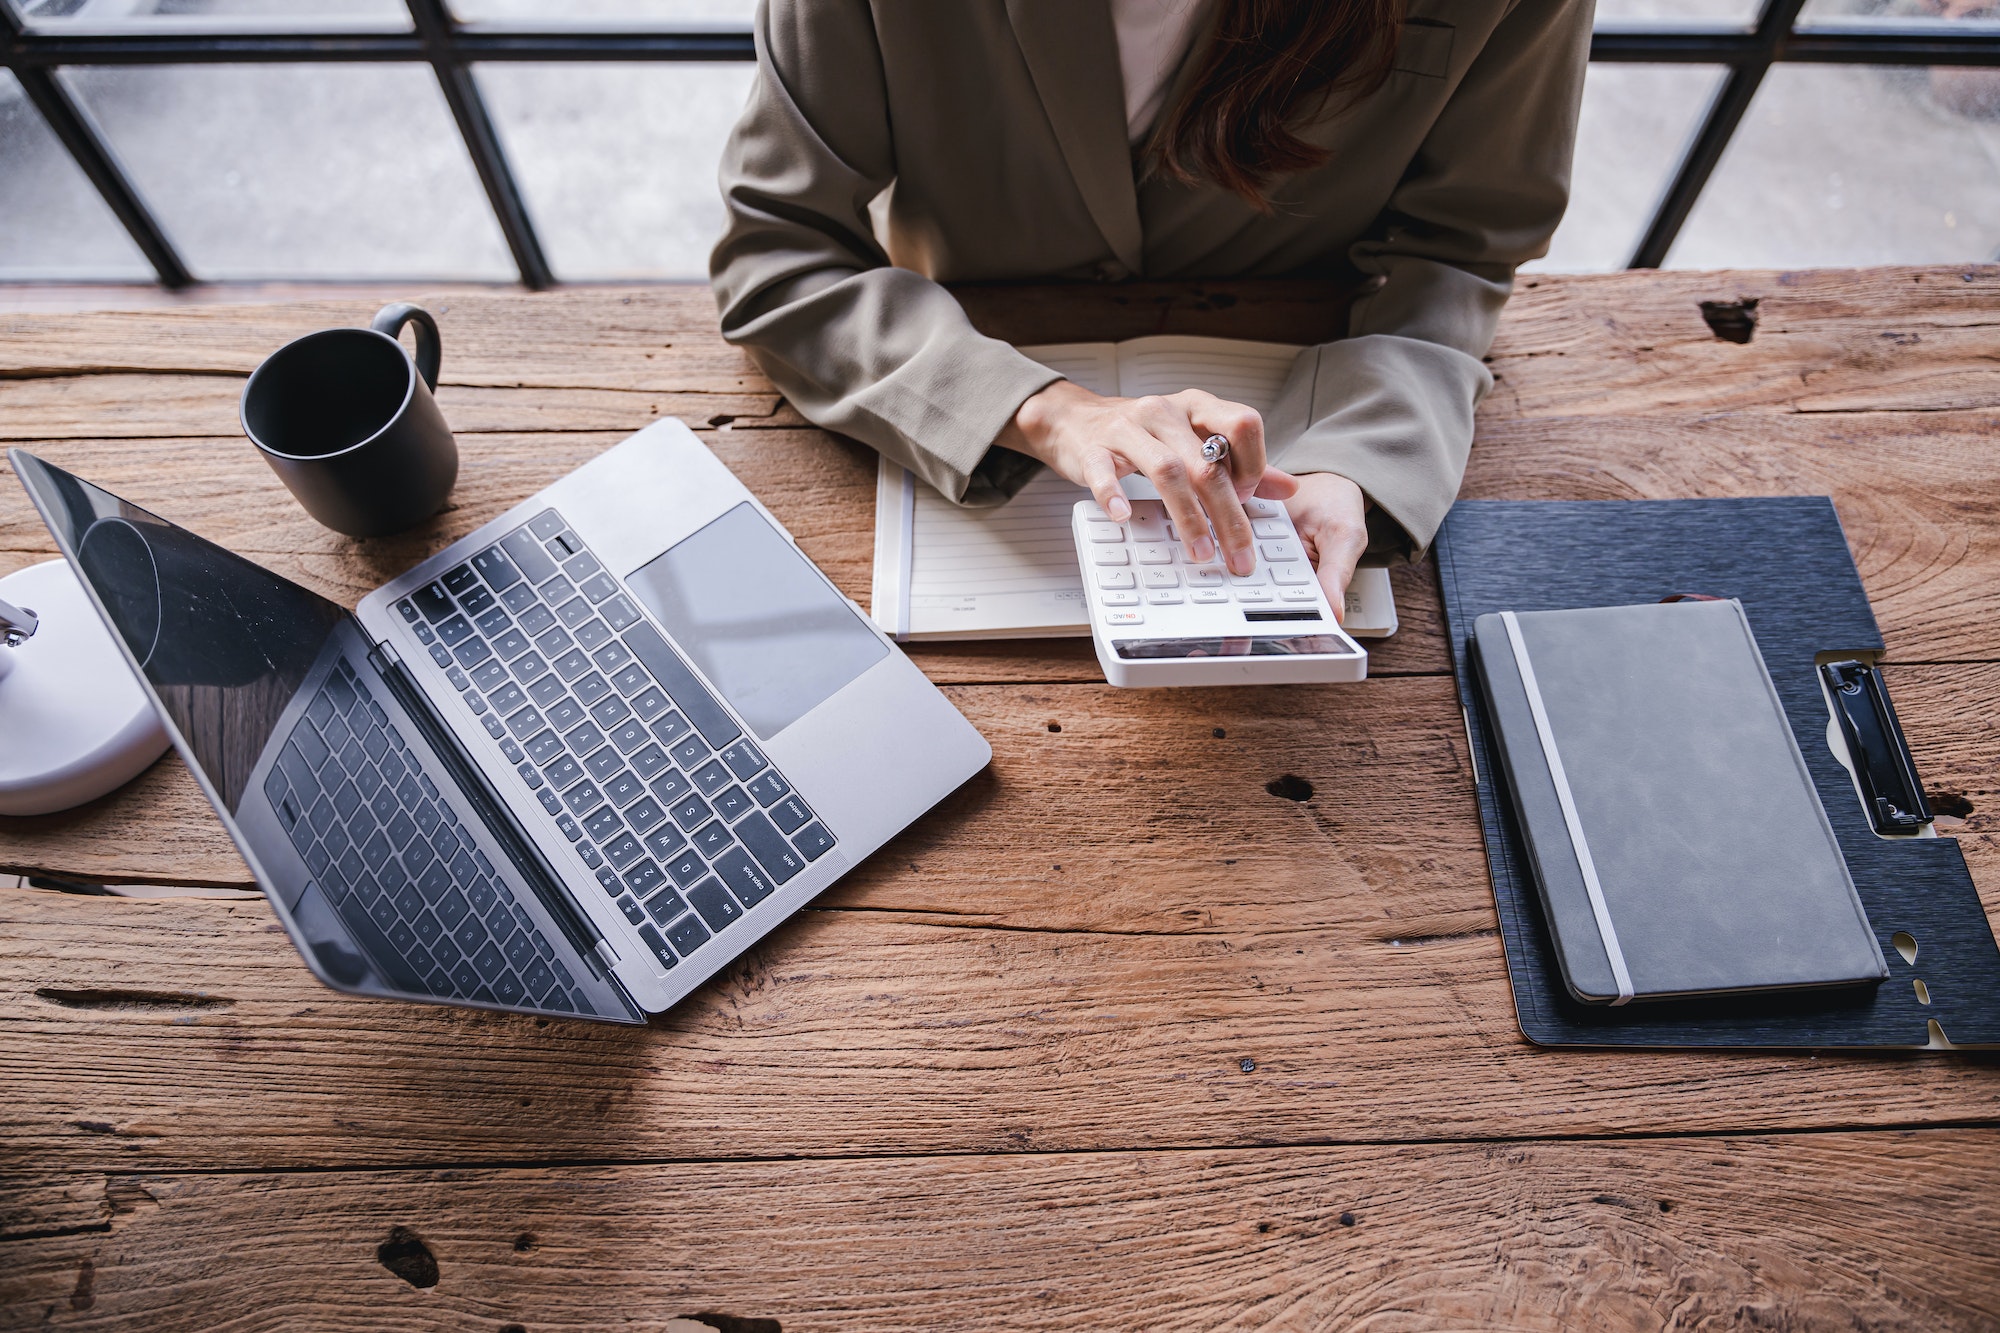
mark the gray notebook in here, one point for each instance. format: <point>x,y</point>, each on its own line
<point>1673,829</point>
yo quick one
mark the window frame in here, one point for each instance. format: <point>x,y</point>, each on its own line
<point>451,47</point>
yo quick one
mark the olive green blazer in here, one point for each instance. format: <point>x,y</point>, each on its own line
<point>990,138</point>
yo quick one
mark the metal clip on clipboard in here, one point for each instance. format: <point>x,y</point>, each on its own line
<point>1890,788</point>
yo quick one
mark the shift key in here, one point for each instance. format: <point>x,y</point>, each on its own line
<point>769,847</point>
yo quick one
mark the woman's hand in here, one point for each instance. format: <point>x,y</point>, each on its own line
<point>1093,441</point>
<point>1331,514</point>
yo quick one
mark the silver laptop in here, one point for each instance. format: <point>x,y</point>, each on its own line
<point>573,764</point>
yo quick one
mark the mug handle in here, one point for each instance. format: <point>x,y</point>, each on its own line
<point>390,319</point>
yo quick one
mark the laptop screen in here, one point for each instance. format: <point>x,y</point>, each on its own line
<point>224,642</point>
<point>757,618</point>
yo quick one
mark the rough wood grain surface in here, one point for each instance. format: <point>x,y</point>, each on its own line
<point>1848,1231</point>
<point>1056,1054</point>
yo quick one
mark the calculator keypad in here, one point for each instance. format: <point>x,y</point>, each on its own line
<point>1144,563</point>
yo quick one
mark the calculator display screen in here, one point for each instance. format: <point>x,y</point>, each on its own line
<point>1238,646</point>
<point>754,614</point>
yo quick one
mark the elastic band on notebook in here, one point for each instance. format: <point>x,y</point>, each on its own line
<point>1598,908</point>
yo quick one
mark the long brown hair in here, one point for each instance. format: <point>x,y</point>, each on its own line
<point>1267,65</point>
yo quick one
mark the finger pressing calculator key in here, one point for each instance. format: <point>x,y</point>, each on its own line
<point>1159,617</point>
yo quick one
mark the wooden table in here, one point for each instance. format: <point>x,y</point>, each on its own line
<point>1113,1038</point>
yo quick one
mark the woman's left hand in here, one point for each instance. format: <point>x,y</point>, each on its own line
<point>1331,514</point>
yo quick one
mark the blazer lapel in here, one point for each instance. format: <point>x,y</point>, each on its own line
<point>1070,45</point>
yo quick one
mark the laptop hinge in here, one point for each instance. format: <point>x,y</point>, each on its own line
<point>514,840</point>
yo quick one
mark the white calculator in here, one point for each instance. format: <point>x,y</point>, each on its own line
<point>1159,618</point>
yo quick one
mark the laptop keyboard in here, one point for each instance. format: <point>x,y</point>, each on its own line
<point>680,818</point>
<point>398,865</point>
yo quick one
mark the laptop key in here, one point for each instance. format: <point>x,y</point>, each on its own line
<point>556,590</point>
<point>666,905</point>
<point>489,960</point>
<point>650,702</point>
<point>583,796</point>
<point>750,884</point>
<point>495,620</point>
<point>498,571</point>
<point>441,655</point>
<point>572,664</point>
<point>671,786</point>
<point>511,644</point>
<point>488,676</point>
<point>618,612</point>
<point>688,751</point>
<point>624,789</point>
<point>688,934</point>
<point>521,599</point>
<point>565,713</point>
<point>613,655</point>
<point>408,609</point>
<point>528,556</point>
<point>658,946</point>
<point>649,761</point>
<point>643,878</point>
<point>563,772</point>
<point>536,620</point>
<point>546,525</point>
<point>743,759</point>
<point>608,878</point>
<point>592,635</point>
<point>631,680</point>
<point>609,711</point>
<point>689,812</point>
<point>598,587</point>
<point>590,689</point>
<point>604,763</point>
<point>732,803</point>
<point>665,841</point>
<point>506,698</point>
<point>628,736</point>
<point>717,908</point>
<point>685,869</point>
<point>530,665</point>
<point>603,823</point>
<point>670,728</point>
<point>478,602</point>
<point>431,600</point>
<point>471,653</point>
<point>711,839</point>
<point>555,642</point>
<point>550,801</point>
<point>568,827</point>
<point>711,777</point>
<point>564,544</point>
<point>790,813</point>
<point>546,690</point>
<point>582,566</point>
<point>525,723</point>
<point>769,847</point>
<point>520,950</point>
<point>454,631</point>
<point>623,850</point>
<point>584,738</point>
<point>813,841</point>
<point>544,747</point>
<point>644,813</point>
<point>573,612</point>
<point>460,580</point>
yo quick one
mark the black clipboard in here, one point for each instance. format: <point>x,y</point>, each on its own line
<point>1787,560</point>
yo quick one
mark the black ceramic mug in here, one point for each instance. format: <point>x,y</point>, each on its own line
<point>347,421</point>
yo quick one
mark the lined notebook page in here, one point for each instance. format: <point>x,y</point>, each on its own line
<point>1011,572</point>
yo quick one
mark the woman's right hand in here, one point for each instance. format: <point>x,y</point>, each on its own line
<point>1093,441</point>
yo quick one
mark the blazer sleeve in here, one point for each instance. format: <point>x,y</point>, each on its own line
<point>879,353</point>
<point>1391,405</point>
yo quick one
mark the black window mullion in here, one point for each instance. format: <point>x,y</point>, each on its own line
<point>1718,127</point>
<point>439,31</point>
<point>93,155</point>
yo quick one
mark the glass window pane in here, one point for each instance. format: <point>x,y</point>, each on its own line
<point>1678,13</point>
<point>1960,16</point>
<point>1635,123</point>
<point>647,13</point>
<point>54,227</point>
<point>155,16</point>
<point>617,161</point>
<point>300,171</point>
<point>1844,164</point>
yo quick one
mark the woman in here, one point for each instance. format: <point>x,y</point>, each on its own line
<point>1422,145</point>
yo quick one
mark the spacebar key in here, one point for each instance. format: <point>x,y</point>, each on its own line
<point>768,845</point>
<point>715,725</point>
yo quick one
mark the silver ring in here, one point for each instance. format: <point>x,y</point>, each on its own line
<point>1214,449</point>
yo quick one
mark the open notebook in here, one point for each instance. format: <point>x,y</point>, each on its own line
<point>943,572</point>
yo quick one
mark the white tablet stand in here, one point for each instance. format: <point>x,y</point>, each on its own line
<point>74,724</point>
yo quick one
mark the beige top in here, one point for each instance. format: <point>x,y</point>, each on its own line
<point>1001,124</point>
<point>1153,39</point>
